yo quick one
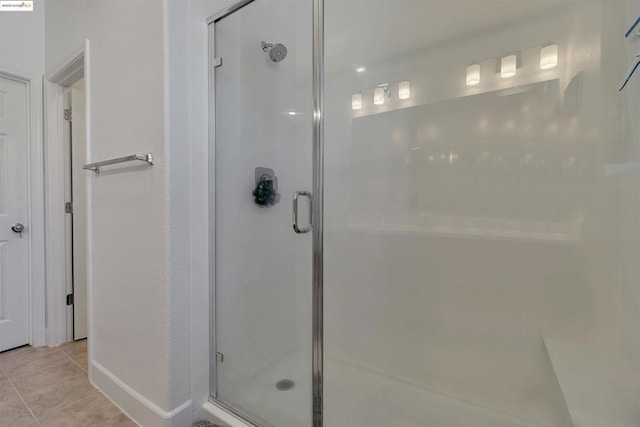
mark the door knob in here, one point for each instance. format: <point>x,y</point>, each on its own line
<point>18,228</point>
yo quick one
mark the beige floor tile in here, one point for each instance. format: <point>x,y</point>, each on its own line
<point>35,365</point>
<point>7,392</point>
<point>14,413</point>
<point>57,396</point>
<point>48,375</point>
<point>121,421</point>
<point>23,356</point>
<point>83,361</point>
<point>54,388</point>
<point>94,410</point>
<point>77,351</point>
<point>74,348</point>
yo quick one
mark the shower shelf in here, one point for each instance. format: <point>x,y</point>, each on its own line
<point>600,386</point>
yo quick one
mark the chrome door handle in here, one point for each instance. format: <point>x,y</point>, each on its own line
<point>18,228</point>
<point>296,206</point>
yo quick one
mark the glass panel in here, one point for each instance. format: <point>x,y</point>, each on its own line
<point>263,269</point>
<point>481,214</point>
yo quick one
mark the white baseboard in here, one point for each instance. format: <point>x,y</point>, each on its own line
<point>140,409</point>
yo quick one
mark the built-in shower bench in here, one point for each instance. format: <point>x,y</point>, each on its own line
<point>600,386</point>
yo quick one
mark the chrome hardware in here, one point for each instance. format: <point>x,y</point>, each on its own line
<point>141,157</point>
<point>387,89</point>
<point>634,28</point>
<point>266,189</point>
<point>296,209</point>
<point>18,228</point>
<point>219,357</point>
<point>630,73</point>
<point>217,62</point>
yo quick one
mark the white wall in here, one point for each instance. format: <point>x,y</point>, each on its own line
<point>187,83</point>
<point>22,40</point>
<point>177,187</point>
<point>140,321</point>
<point>200,10</point>
<point>168,365</point>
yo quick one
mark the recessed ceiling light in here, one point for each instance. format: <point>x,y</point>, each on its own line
<point>292,113</point>
<point>361,69</point>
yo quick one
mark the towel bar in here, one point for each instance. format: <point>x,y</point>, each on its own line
<point>148,158</point>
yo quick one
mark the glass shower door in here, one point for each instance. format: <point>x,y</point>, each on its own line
<point>481,214</point>
<point>263,167</point>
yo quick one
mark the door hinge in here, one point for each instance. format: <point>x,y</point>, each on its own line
<point>68,207</point>
<point>70,299</point>
<point>318,408</point>
<point>67,114</point>
<point>219,357</point>
<point>217,62</point>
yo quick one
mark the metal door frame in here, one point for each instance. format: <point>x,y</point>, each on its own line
<point>317,210</point>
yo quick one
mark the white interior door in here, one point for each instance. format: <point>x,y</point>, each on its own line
<point>78,157</point>
<point>14,209</point>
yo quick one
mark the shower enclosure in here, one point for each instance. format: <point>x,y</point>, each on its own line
<point>426,213</point>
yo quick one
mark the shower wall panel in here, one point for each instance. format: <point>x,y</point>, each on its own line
<point>466,223</point>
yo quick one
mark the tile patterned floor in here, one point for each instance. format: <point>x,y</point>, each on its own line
<point>49,387</point>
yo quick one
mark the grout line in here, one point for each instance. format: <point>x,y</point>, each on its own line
<point>60,350</point>
<point>20,396</point>
<point>77,364</point>
<point>62,408</point>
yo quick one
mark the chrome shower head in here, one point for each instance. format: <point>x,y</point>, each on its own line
<point>277,52</point>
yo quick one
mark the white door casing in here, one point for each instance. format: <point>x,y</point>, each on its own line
<point>14,208</point>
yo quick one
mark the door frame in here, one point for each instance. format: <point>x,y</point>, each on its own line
<point>35,220</point>
<point>317,211</point>
<point>76,64</point>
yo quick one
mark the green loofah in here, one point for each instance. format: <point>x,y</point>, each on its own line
<point>265,194</point>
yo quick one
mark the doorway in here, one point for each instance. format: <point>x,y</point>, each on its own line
<point>67,94</point>
<point>75,209</point>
